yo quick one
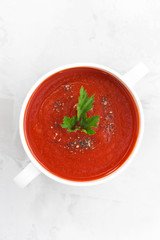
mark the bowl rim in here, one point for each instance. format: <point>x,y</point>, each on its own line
<point>104,178</point>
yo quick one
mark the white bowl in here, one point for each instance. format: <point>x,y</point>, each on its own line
<point>35,168</point>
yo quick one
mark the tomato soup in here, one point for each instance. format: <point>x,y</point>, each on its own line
<point>76,155</point>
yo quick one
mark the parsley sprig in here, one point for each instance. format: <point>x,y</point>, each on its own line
<point>81,122</point>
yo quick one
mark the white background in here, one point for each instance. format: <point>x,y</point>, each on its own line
<point>37,36</point>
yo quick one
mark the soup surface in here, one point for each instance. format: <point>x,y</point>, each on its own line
<point>77,155</point>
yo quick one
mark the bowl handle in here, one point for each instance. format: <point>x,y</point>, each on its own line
<point>26,175</point>
<point>135,74</point>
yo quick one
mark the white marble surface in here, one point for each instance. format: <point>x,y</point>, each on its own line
<point>36,36</point>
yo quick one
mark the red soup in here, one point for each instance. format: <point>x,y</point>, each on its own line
<point>77,155</point>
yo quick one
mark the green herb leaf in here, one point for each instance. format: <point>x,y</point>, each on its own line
<point>69,123</point>
<point>84,104</point>
<point>90,131</point>
<point>81,121</point>
<point>89,122</point>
